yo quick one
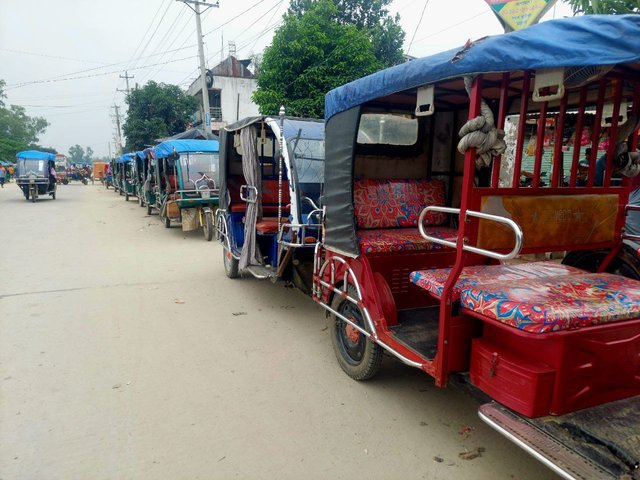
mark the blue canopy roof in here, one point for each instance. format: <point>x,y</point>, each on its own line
<point>142,154</point>
<point>36,155</point>
<point>126,158</point>
<point>569,42</point>
<point>165,149</point>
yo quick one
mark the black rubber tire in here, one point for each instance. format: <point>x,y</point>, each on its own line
<point>360,359</point>
<point>167,222</point>
<point>126,197</point>
<point>149,210</point>
<point>230,264</point>
<point>208,226</point>
<point>627,263</point>
<point>53,195</point>
<point>140,201</point>
<point>33,196</point>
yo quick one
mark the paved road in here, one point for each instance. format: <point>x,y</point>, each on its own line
<point>125,353</point>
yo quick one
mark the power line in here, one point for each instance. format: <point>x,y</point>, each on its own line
<point>154,31</point>
<point>269,21</point>
<point>54,80</point>
<point>417,26</point>
<point>56,57</point>
<point>453,26</point>
<point>232,19</point>
<point>145,34</point>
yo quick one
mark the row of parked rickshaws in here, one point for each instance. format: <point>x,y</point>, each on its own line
<point>403,215</point>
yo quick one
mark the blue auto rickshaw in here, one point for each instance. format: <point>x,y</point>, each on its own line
<point>34,175</point>
<point>186,183</point>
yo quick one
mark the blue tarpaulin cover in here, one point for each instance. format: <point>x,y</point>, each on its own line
<point>36,155</point>
<point>126,158</point>
<point>166,149</point>
<point>569,42</point>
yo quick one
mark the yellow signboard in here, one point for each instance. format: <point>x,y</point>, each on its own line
<point>519,14</point>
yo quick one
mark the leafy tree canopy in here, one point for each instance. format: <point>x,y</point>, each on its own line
<point>79,154</point>
<point>18,131</point>
<point>615,7</point>
<point>310,54</point>
<point>156,110</point>
<point>369,16</point>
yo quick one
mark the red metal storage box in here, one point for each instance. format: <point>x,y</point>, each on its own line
<point>523,385</point>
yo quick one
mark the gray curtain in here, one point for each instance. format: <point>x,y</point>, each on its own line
<point>251,171</point>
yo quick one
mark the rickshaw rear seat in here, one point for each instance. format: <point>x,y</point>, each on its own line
<point>387,212</point>
<point>390,240</point>
<point>545,305</point>
<point>269,195</point>
<point>268,225</point>
<point>433,280</point>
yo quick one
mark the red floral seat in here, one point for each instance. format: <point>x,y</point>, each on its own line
<point>542,305</point>
<point>433,280</point>
<point>388,240</point>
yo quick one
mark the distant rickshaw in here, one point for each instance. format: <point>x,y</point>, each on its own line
<point>34,174</point>
<point>186,183</point>
<point>99,169</point>
<point>143,178</point>
<point>270,217</point>
<point>123,175</point>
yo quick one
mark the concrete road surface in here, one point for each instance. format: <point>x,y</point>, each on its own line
<point>125,353</point>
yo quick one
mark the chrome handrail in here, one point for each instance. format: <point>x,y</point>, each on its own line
<point>250,188</point>
<point>519,236</point>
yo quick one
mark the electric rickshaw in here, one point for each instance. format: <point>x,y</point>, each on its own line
<point>144,179</point>
<point>33,174</point>
<point>434,252</point>
<point>123,175</point>
<point>271,178</point>
<point>186,183</point>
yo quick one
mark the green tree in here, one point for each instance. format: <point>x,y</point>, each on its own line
<point>88,154</point>
<point>310,54</point>
<point>156,110</point>
<point>76,153</point>
<point>615,7</point>
<point>369,16</point>
<point>18,131</point>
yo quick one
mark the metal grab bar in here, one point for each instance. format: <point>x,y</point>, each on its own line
<point>244,197</point>
<point>519,236</point>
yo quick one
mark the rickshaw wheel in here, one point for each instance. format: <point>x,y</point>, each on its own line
<point>33,195</point>
<point>149,210</point>
<point>627,263</point>
<point>358,356</point>
<point>167,222</point>
<point>140,201</point>
<point>208,226</point>
<point>126,197</point>
<point>230,263</point>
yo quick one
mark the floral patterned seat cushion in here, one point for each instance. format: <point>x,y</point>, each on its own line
<point>402,239</point>
<point>543,305</point>
<point>392,203</point>
<point>433,280</point>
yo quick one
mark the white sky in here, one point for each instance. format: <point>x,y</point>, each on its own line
<point>98,41</point>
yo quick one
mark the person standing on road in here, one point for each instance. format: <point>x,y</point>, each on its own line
<point>3,175</point>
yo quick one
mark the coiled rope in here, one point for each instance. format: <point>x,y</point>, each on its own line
<point>481,133</point>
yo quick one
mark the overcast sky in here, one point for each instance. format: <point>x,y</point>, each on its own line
<point>80,47</point>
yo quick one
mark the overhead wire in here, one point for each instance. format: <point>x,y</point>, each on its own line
<point>417,26</point>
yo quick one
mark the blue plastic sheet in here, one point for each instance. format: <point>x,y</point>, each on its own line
<point>166,149</point>
<point>569,42</point>
<point>36,155</point>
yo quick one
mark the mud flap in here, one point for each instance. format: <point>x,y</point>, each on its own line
<point>601,443</point>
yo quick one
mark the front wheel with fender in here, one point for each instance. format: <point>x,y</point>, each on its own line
<point>230,263</point>
<point>167,222</point>
<point>149,210</point>
<point>33,194</point>
<point>208,226</point>
<point>357,354</point>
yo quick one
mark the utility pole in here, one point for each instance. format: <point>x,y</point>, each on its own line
<point>126,77</point>
<point>118,133</point>
<point>206,120</point>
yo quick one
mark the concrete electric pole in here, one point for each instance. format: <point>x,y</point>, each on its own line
<point>126,78</point>
<point>118,132</point>
<point>206,120</point>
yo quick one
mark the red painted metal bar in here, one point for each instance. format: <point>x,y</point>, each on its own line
<point>502,115</point>
<point>444,331</point>
<point>558,158</point>
<point>537,160</point>
<point>635,109</point>
<point>577,141</point>
<point>524,102</point>
<point>613,133</point>
<point>595,134</point>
